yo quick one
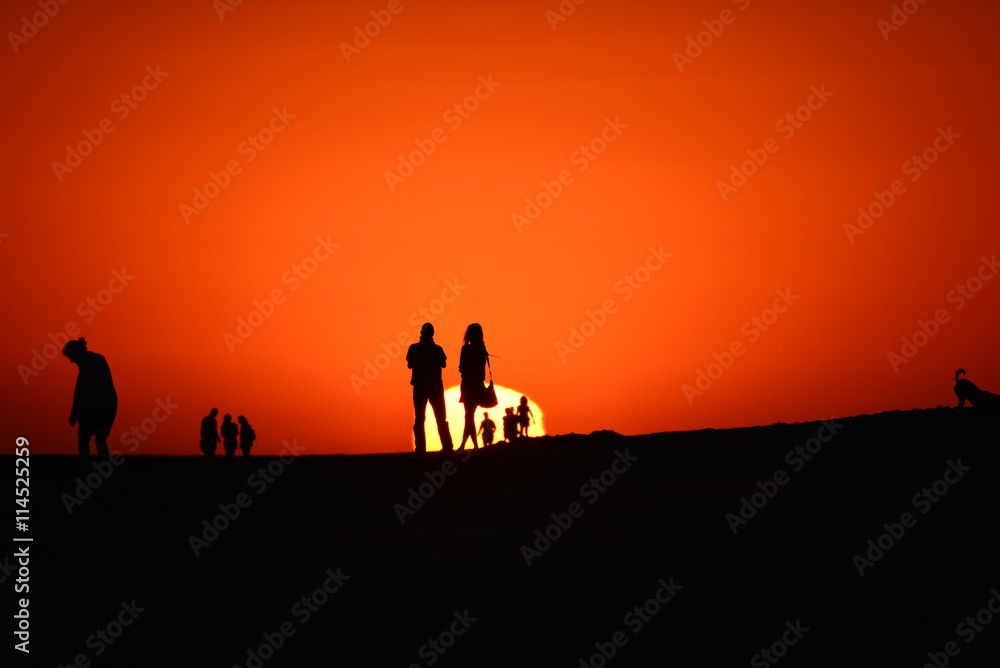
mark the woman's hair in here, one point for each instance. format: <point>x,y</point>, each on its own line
<point>473,334</point>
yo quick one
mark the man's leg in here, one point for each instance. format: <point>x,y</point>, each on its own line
<point>83,442</point>
<point>440,415</point>
<point>419,411</point>
<point>101,442</point>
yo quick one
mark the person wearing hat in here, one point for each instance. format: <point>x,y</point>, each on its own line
<point>95,402</point>
<point>426,359</point>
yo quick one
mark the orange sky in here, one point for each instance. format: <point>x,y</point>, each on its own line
<point>633,140</point>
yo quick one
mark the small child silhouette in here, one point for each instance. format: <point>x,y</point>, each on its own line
<point>487,427</point>
<point>509,424</point>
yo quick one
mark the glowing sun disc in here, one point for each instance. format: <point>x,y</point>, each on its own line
<point>455,411</point>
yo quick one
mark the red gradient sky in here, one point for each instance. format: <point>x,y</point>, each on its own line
<point>655,186</point>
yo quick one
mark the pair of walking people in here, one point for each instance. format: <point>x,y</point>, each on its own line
<point>427,359</point>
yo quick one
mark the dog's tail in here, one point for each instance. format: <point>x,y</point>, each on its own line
<point>959,373</point>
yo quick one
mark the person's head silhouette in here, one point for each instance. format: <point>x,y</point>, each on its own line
<point>74,350</point>
<point>427,331</point>
<point>214,412</point>
<point>473,333</point>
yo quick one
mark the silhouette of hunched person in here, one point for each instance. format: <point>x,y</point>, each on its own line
<point>472,367</point>
<point>247,436</point>
<point>426,359</point>
<point>95,402</point>
<point>524,416</point>
<point>210,433</point>
<point>229,433</point>
<point>487,427</point>
<point>509,424</point>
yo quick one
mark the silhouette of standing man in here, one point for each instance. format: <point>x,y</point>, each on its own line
<point>95,402</point>
<point>210,433</point>
<point>427,358</point>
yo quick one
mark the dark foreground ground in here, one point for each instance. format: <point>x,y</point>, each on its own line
<point>457,566</point>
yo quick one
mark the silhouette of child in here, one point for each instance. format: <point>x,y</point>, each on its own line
<point>509,424</point>
<point>247,436</point>
<point>229,433</point>
<point>523,416</point>
<point>487,427</point>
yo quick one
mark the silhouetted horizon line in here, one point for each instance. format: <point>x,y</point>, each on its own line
<point>515,446</point>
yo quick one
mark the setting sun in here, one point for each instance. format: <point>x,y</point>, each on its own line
<point>506,398</point>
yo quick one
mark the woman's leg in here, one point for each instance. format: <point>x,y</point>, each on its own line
<point>470,420</point>
<point>465,430</point>
<point>470,427</point>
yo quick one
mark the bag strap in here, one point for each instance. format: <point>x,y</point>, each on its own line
<point>488,364</point>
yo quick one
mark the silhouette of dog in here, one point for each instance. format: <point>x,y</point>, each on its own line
<point>966,390</point>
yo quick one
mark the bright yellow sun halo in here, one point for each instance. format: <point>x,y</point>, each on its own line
<point>506,397</point>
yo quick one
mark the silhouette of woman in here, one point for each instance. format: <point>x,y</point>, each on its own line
<point>229,434</point>
<point>472,367</point>
<point>95,402</point>
<point>247,436</point>
<point>524,414</point>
